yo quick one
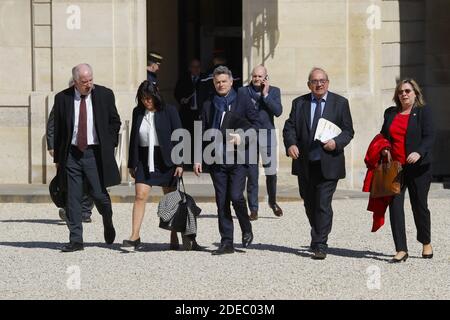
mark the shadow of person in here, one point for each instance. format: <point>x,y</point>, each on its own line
<point>358,254</point>
<point>33,245</point>
<point>44,221</point>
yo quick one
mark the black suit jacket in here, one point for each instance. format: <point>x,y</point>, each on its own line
<point>241,108</point>
<point>420,132</point>
<point>107,125</point>
<point>296,131</point>
<point>184,88</point>
<point>50,129</point>
<point>167,120</point>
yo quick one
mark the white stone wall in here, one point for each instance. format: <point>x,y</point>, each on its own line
<point>291,37</point>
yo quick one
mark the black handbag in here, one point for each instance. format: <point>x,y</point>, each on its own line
<point>173,209</point>
<point>57,195</point>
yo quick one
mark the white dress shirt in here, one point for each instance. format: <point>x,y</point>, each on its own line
<point>91,133</point>
<point>148,137</point>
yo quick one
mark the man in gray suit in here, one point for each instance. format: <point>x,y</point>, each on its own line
<point>318,166</point>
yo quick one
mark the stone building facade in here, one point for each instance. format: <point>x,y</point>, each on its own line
<point>365,45</point>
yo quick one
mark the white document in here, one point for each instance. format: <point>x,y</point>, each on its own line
<point>326,130</point>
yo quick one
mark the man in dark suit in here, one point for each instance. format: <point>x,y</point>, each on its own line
<point>318,165</point>
<point>88,203</point>
<point>227,172</point>
<point>86,131</point>
<point>267,101</point>
<point>187,93</point>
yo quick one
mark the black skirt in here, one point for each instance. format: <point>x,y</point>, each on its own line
<point>162,176</point>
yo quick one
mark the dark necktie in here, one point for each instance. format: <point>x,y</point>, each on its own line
<point>317,115</point>
<point>314,149</point>
<point>194,96</point>
<point>82,125</point>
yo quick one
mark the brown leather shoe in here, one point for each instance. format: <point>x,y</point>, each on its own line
<point>276,209</point>
<point>253,215</point>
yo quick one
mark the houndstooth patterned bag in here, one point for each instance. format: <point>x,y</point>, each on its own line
<point>178,211</point>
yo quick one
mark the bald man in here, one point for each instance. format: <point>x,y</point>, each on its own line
<point>86,131</point>
<point>267,101</point>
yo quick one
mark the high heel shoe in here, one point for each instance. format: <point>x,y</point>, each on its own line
<point>428,255</point>
<point>402,259</point>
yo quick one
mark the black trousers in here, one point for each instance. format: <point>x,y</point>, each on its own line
<point>229,185</point>
<point>417,179</point>
<point>87,205</point>
<point>81,168</point>
<point>317,194</point>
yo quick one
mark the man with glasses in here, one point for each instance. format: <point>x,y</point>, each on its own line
<point>318,165</point>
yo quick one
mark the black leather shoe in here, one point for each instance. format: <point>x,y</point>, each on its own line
<point>109,232</point>
<point>223,249</point>
<point>253,215</point>
<point>72,246</point>
<point>247,239</point>
<point>197,247</point>
<point>402,259</point>
<point>319,255</point>
<point>62,214</point>
<point>86,219</point>
<point>131,243</point>
<point>276,209</point>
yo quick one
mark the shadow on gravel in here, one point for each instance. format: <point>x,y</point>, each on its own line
<point>57,245</point>
<point>304,251</point>
<point>44,221</point>
<point>275,248</point>
<point>358,254</point>
<point>234,217</point>
<point>33,245</point>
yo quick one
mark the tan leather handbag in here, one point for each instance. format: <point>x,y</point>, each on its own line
<point>387,178</point>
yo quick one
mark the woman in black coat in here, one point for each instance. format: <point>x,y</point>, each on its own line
<point>149,158</point>
<point>409,128</point>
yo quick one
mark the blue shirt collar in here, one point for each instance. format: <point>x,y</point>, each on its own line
<point>324,98</point>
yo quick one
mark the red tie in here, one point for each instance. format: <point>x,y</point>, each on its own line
<point>82,126</point>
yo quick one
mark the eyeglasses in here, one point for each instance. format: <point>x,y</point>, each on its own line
<point>317,81</point>
<point>407,91</point>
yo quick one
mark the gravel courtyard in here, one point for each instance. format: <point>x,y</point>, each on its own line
<point>276,266</point>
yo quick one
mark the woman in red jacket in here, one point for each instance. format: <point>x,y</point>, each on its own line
<point>409,128</point>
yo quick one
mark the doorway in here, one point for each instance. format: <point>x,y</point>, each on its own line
<point>181,30</point>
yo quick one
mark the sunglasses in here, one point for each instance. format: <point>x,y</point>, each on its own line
<point>407,91</point>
